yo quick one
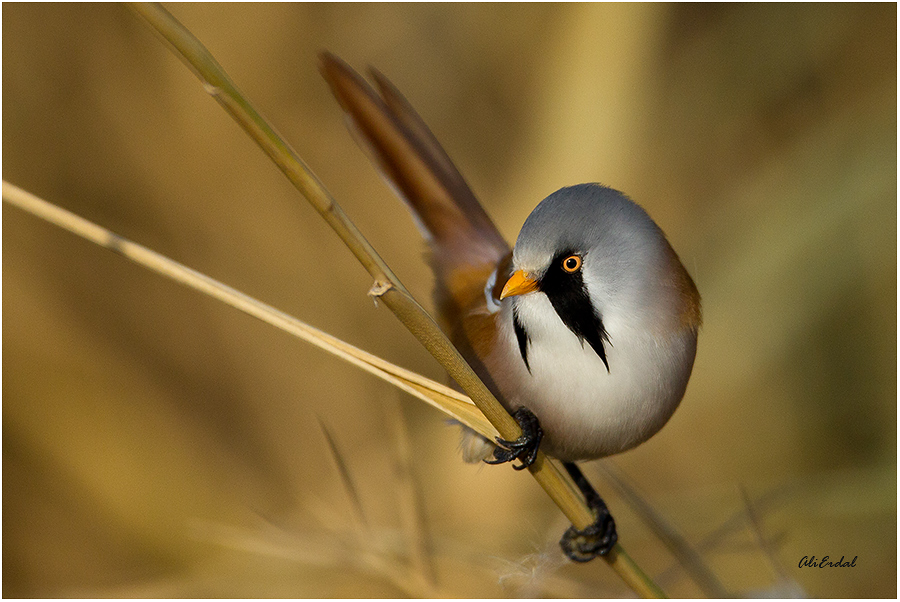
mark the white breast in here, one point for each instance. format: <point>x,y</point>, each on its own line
<point>586,411</point>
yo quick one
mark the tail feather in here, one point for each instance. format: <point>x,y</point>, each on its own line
<point>410,156</point>
<point>466,246</point>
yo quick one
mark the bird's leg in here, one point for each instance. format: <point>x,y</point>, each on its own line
<point>580,545</point>
<point>524,448</point>
<point>598,538</point>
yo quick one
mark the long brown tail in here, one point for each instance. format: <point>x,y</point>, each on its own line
<point>466,246</point>
<point>459,230</point>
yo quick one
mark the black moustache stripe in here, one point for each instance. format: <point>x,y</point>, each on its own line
<point>522,337</point>
<point>570,299</point>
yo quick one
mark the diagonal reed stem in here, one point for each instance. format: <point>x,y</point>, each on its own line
<point>387,286</point>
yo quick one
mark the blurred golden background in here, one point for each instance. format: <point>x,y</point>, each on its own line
<point>158,443</point>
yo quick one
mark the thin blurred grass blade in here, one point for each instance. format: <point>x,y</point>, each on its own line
<point>346,479</point>
<point>689,558</point>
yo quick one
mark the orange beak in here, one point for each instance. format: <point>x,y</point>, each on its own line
<point>518,284</point>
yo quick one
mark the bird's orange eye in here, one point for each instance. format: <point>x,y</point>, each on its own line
<point>572,263</point>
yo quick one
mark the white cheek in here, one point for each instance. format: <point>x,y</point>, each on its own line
<point>624,286</point>
<point>535,310</point>
<point>555,354</point>
<point>608,293</point>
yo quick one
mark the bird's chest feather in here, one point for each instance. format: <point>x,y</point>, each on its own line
<point>586,409</point>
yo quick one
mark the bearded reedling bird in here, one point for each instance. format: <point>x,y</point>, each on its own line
<point>586,331</point>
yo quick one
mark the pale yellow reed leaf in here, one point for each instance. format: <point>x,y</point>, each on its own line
<point>456,405</point>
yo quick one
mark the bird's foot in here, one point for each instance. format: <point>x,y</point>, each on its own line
<point>524,448</point>
<point>597,539</point>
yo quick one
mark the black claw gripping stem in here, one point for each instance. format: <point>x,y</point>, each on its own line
<point>579,545</point>
<point>598,538</point>
<point>524,448</point>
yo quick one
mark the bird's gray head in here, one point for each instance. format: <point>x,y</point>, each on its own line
<point>586,219</point>
<point>590,242</point>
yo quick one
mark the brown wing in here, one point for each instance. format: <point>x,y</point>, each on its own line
<point>466,246</point>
